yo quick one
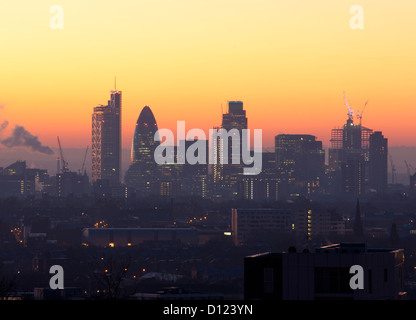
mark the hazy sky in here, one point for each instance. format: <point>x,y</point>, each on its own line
<point>288,61</point>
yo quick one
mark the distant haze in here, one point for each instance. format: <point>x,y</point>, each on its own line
<point>75,157</point>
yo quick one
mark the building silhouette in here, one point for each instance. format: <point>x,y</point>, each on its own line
<point>314,224</point>
<point>412,185</point>
<point>106,140</point>
<point>71,183</point>
<point>378,152</point>
<point>16,179</point>
<point>142,174</point>
<point>234,120</point>
<point>300,160</point>
<point>352,177</point>
<point>267,185</point>
<point>349,158</point>
<point>324,274</point>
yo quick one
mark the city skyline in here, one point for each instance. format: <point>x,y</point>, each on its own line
<point>276,57</point>
<point>127,125</point>
<point>207,150</point>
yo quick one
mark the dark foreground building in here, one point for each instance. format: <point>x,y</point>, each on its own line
<point>324,274</point>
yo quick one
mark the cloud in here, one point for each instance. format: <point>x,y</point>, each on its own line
<point>4,125</point>
<point>20,137</point>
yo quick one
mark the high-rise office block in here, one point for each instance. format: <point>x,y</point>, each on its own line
<point>235,120</point>
<point>144,144</point>
<point>300,160</point>
<point>15,180</point>
<point>267,185</point>
<point>352,177</point>
<point>106,140</point>
<point>378,162</point>
<point>217,154</point>
<point>349,151</point>
<point>236,116</point>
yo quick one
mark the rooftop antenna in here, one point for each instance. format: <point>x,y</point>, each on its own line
<point>115,83</point>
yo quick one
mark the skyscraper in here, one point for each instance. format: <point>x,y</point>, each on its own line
<point>144,144</point>
<point>348,160</point>
<point>300,160</point>
<point>378,162</point>
<point>234,119</point>
<point>106,140</point>
<point>352,178</point>
<point>142,173</point>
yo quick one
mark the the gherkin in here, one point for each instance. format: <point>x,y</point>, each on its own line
<point>142,174</point>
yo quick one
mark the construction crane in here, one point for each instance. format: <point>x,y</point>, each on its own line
<point>83,162</point>
<point>64,167</point>
<point>408,169</point>
<point>360,114</point>
<point>350,111</point>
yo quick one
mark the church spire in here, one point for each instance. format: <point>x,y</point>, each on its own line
<point>358,227</point>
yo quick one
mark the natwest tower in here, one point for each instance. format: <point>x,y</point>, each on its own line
<point>235,119</point>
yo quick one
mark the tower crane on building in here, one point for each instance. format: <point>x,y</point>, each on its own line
<point>407,167</point>
<point>360,114</point>
<point>350,110</point>
<point>410,169</point>
<point>64,164</point>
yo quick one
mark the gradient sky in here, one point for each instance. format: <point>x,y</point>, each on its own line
<point>288,61</point>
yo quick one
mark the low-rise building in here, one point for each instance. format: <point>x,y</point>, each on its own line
<point>246,223</point>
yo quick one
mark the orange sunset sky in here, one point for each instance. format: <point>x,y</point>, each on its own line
<point>288,61</point>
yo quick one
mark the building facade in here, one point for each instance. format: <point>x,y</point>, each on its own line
<point>235,120</point>
<point>325,274</point>
<point>310,224</point>
<point>300,161</point>
<point>378,162</point>
<point>251,224</point>
<point>106,140</point>
<point>348,160</point>
<point>142,174</point>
